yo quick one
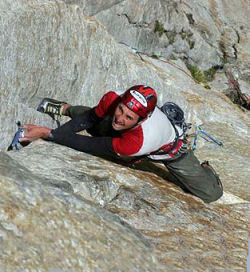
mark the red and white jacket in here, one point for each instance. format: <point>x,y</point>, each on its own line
<point>156,133</point>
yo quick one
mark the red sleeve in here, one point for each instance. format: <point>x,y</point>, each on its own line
<point>129,143</point>
<point>107,104</point>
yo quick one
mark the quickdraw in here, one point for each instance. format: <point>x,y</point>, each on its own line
<point>200,132</point>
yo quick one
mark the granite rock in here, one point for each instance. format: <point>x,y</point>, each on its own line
<point>60,208</point>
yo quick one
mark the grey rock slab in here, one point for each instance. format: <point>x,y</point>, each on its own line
<point>204,33</point>
<point>235,152</point>
<point>52,49</point>
<point>44,228</point>
<point>177,224</point>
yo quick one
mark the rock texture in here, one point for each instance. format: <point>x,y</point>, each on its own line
<point>207,33</point>
<point>204,34</point>
<point>44,226</point>
<point>61,209</point>
<point>53,198</point>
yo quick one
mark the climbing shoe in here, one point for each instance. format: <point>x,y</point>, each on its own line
<point>51,106</point>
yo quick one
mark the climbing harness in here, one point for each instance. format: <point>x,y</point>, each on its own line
<point>176,116</point>
<point>201,132</point>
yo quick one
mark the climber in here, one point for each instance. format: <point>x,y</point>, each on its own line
<point>130,125</point>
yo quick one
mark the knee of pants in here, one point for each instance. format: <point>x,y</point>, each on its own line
<point>208,191</point>
<point>212,192</point>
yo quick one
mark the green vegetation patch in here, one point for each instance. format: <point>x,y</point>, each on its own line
<point>159,28</point>
<point>171,36</point>
<point>191,44</point>
<point>209,74</point>
<point>202,76</point>
<point>155,56</point>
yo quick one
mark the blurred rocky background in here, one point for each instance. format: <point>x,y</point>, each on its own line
<point>62,210</point>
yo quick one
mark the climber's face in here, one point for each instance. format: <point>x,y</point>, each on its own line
<point>124,118</point>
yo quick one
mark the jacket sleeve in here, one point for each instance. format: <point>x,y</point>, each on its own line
<point>67,135</point>
<point>101,146</point>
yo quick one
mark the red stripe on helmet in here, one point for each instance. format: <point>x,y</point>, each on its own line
<point>140,99</point>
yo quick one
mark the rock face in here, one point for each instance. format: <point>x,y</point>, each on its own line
<point>205,34</point>
<point>44,226</point>
<point>56,207</point>
<point>61,209</point>
<point>213,29</point>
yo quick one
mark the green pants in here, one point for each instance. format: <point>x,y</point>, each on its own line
<point>185,171</point>
<point>73,111</point>
<point>192,177</point>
